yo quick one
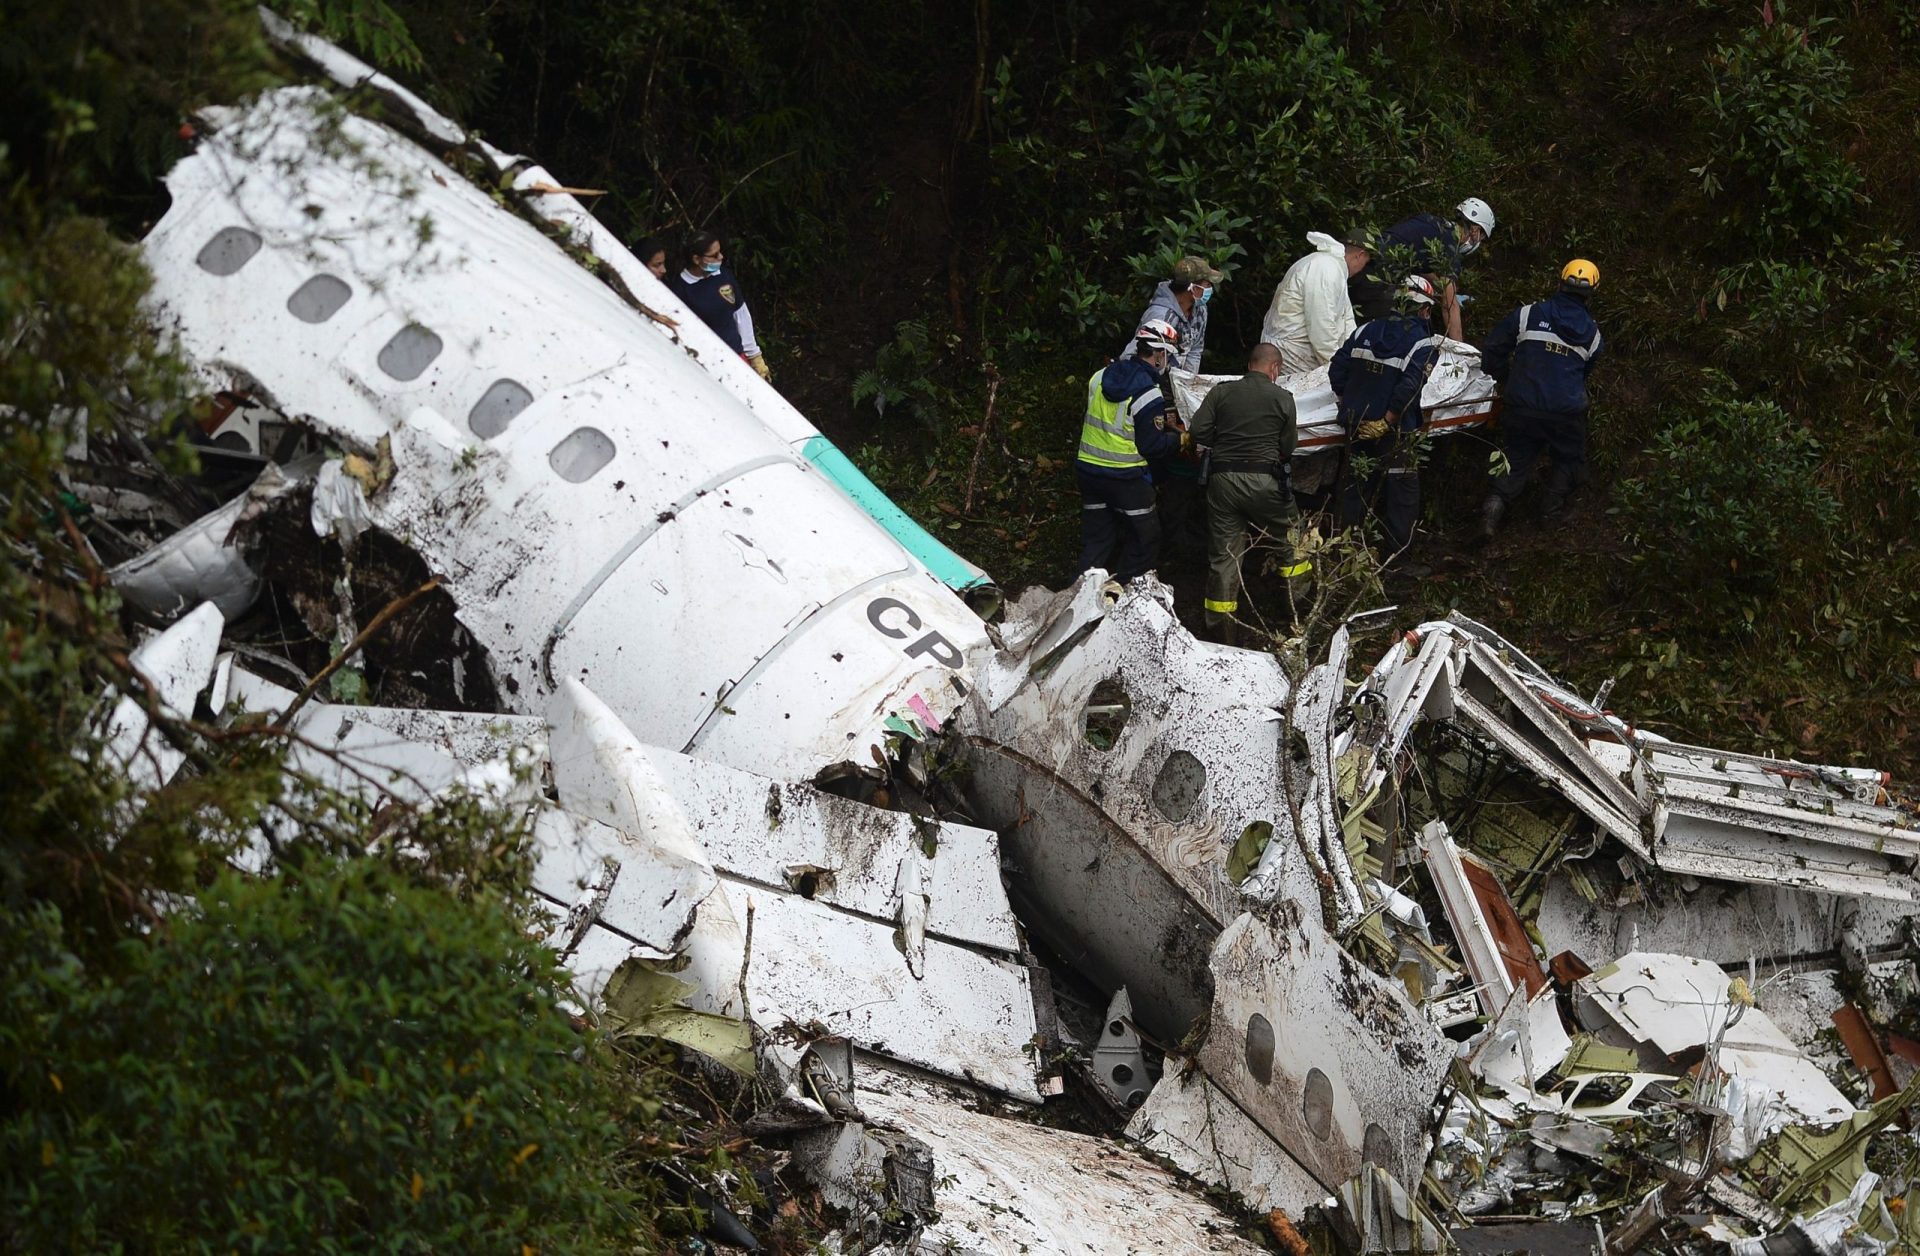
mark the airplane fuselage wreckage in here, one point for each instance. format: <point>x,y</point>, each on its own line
<point>1439,951</point>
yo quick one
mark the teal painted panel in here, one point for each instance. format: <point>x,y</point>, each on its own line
<point>948,567</point>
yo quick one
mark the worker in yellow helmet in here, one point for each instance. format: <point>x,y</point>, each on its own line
<point>1542,355</point>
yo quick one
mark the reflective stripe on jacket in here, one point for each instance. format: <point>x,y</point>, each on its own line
<point>1106,435</point>
<point>1542,354</point>
<point>1382,368</point>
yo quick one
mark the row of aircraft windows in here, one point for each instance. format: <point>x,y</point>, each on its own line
<point>579,456</point>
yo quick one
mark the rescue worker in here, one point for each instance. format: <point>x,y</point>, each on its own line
<point>1182,302</point>
<point>1126,424</point>
<point>711,291</point>
<point>1247,428</point>
<point>1312,313</point>
<point>1428,245</point>
<point>1377,375</point>
<point>1541,355</point>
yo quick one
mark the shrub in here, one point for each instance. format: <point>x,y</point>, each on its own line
<point>1771,106</point>
<point>1732,499</point>
<point>333,1059</point>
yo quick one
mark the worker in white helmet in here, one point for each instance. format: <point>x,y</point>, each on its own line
<point>1424,244</point>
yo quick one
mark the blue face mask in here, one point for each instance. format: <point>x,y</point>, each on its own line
<point>712,268</point>
<point>1206,295</point>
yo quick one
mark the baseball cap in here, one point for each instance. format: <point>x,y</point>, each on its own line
<point>1195,270</point>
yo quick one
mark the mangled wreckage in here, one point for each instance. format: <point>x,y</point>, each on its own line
<point>1447,956</point>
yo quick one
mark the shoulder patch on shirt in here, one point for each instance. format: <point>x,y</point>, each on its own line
<point>726,294</point>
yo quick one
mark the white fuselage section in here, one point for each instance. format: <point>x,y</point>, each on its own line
<point>598,505</point>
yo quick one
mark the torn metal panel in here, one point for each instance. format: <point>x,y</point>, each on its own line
<point>1525,1042</point>
<point>1191,1122</point>
<point>970,1017</point>
<point>1549,726</point>
<point>177,664</point>
<point>1334,1090</point>
<point>202,562</point>
<point>1675,1004</point>
<point>1569,783</point>
<point>363,750</point>
<point>1004,1188</point>
<point>1119,1066</point>
<point>1718,921</point>
<point>1310,782</point>
<point>650,894</point>
<point>789,835</point>
<point>1412,682</point>
<point>1478,947</point>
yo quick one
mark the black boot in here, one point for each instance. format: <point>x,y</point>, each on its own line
<point>1492,511</point>
<point>1554,505</point>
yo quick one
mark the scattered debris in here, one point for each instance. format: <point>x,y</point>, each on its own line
<point>1433,952</point>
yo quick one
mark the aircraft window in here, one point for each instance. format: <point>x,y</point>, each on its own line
<point>1316,1103</point>
<point>1177,788</point>
<point>229,250</point>
<point>497,407</point>
<point>318,299</point>
<point>581,455</point>
<point>412,349</point>
<point>1259,1048</point>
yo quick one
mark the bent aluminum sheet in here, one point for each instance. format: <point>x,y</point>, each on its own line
<point>1674,1003</point>
<point>971,1016</point>
<point>1325,1055</point>
<point>1202,1132</point>
<point>1006,1188</point>
<point>177,664</point>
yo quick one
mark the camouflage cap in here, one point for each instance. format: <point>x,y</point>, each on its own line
<point>1195,270</point>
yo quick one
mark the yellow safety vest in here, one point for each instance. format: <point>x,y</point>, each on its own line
<point>1106,437</point>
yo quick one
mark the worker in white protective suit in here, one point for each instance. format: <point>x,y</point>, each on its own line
<point>1312,315</point>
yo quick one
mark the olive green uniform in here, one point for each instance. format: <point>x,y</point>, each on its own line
<point>1250,425</point>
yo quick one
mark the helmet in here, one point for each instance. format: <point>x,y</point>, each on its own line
<point>1414,290</point>
<point>1477,212</point>
<point>1157,333</point>
<point>1580,274</point>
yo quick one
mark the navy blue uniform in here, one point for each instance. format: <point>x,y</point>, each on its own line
<point>1541,355</point>
<point>1381,370</point>
<point>1117,502</point>
<point>1423,244</point>
<point>717,300</point>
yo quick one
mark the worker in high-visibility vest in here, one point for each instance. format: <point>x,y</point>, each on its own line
<point>1126,424</point>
